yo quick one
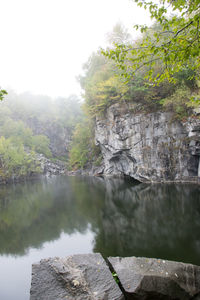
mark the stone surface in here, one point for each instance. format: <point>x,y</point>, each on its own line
<point>143,278</point>
<point>77,277</point>
<point>49,167</point>
<point>148,147</point>
<point>59,136</point>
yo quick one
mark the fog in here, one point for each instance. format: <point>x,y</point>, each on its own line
<point>25,106</point>
<point>44,43</point>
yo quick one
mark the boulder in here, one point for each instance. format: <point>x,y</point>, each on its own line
<point>148,278</point>
<point>77,277</point>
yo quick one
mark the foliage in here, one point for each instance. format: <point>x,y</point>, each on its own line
<point>174,41</point>
<point>14,161</point>
<point>17,131</point>
<point>40,143</point>
<point>2,94</point>
<point>179,102</point>
<point>101,86</point>
<point>97,71</point>
<point>20,134</point>
<point>83,149</point>
<point>115,276</point>
<point>187,77</point>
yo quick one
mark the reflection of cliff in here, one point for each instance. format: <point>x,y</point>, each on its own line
<point>151,220</point>
<point>127,218</point>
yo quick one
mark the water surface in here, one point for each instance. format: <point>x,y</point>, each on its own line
<point>65,215</point>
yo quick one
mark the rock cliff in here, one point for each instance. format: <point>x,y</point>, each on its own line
<point>58,135</point>
<point>149,147</point>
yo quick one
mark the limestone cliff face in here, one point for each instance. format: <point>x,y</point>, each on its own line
<point>149,147</point>
<point>58,135</point>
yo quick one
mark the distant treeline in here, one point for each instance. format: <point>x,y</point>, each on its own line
<point>18,144</point>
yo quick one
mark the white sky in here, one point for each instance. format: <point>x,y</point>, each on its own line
<point>44,43</point>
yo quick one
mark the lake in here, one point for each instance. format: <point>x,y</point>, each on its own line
<point>60,216</point>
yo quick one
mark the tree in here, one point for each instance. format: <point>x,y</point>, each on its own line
<point>2,94</point>
<point>14,161</point>
<point>119,35</point>
<point>40,144</point>
<point>101,86</point>
<point>174,41</point>
<point>82,145</point>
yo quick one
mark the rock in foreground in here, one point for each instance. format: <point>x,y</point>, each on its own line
<point>77,277</point>
<point>143,278</point>
<point>88,277</point>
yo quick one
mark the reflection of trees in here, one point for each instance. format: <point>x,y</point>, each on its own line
<point>128,219</point>
<point>36,212</point>
<point>33,213</point>
<point>151,220</point>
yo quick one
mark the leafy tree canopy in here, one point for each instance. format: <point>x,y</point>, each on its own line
<point>174,41</point>
<point>101,85</point>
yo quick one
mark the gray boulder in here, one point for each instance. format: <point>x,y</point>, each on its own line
<point>77,277</point>
<point>147,278</point>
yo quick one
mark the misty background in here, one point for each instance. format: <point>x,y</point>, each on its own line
<point>45,43</point>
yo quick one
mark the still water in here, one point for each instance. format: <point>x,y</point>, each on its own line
<point>65,215</point>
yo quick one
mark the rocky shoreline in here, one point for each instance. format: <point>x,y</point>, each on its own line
<point>47,167</point>
<point>91,277</point>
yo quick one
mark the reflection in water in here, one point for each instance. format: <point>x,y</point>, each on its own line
<point>124,218</point>
<point>160,220</point>
<point>33,213</point>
